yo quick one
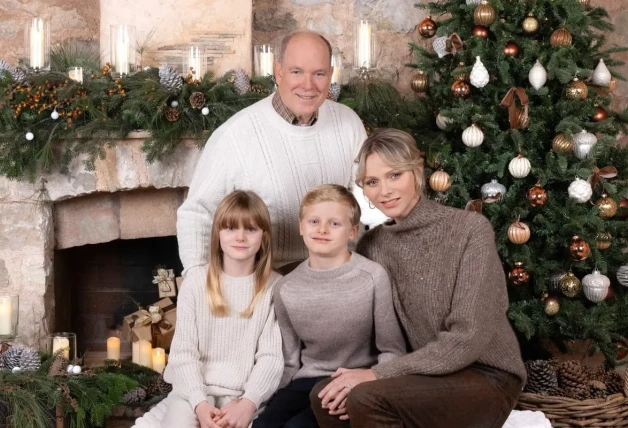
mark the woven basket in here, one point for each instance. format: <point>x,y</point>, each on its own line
<point>611,411</point>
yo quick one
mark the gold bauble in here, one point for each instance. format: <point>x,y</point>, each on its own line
<point>460,72</point>
<point>530,25</point>
<point>518,233</point>
<point>607,206</point>
<point>603,240</point>
<point>579,248</point>
<point>518,275</point>
<point>570,286</point>
<point>484,14</point>
<point>552,306</point>
<point>560,38</point>
<point>562,143</point>
<point>460,89</point>
<point>523,118</point>
<point>577,90</point>
<point>440,181</point>
<point>420,82</point>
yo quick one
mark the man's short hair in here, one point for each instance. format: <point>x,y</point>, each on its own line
<point>332,193</point>
<point>286,40</point>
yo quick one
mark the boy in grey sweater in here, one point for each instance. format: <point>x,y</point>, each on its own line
<point>334,310</point>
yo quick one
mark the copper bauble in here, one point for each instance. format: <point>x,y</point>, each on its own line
<point>570,286</point>
<point>577,90</point>
<point>579,248</point>
<point>511,49</point>
<point>518,233</point>
<point>460,89</point>
<point>480,31</point>
<point>607,206</point>
<point>523,119</point>
<point>560,38</point>
<point>440,181</point>
<point>518,275</point>
<point>420,82</point>
<point>484,14</point>
<point>623,212</point>
<point>551,306</point>
<point>427,27</point>
<point>537,195</point>
<point>530,25</point>
<point>562,143</point>
<point>610,295</point>
<point>603,240</point>
<point>600,114</point>
<point>622,350</point>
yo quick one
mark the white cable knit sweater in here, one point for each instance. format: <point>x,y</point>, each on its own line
<point>258,150</point>
<point>240,354</point>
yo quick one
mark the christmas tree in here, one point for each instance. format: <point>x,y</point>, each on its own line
<point>520,92</point>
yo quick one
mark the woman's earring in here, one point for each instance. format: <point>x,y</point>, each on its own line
<point>371,206</point>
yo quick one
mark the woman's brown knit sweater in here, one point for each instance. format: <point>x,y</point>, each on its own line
<point>449,291</point>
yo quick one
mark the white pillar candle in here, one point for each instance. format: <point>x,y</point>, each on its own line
<point>364,40</point>
<point>195,67</point>
<point>136,352</point>
<point>122,51</point>
<point>159,360</point>
<point>5,315</point>
<point>76,74</point>
<point>113,348</point>
<point>36,39</point>
<point>266,61</point>
<point>61,343</point>
<point>146,353</point>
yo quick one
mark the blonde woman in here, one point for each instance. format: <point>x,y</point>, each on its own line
<point>463,368</point>
<point>226,357</point>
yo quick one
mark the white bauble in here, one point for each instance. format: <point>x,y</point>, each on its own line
<point>69,368</point>
<point>537,75</point>
<point>601,75</point>
<point>580,190</point>
<point>443,122</point>
<point>479,74</point>
<point>472,136</point>
<point>76,370</point>
<point>29,136</point>
<point>54,115</point>
<point>595,286</point>
<point>583,142</point>
<point>473,2</point>
<point>519,167</point>
<point>205,111</point>
<point>16,369</point>
<point>622,275</point>
<point>440,46</point>
<point>174,104</point>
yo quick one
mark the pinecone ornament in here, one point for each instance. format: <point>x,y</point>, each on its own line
<point>172,114</point>
<point>170,79</point>
<point>159,387</point>
<point>58,366</point>
<point>24,358</point>
<point>573,378</point>
<point>541,377</point>
<point>334,91</point>
<point>242,83</point>
<point>134,397</point>
<point>614,383</point>
<point>197,100</point>
<point>598,389</point>
<point>16,73</point>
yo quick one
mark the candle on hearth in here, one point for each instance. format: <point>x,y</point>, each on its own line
<point>113,348</point>
<point>63,344</point>
<point>159,360</point>
<point>336,62</point>
<point>36,41</point>
<point>5,315</point>
<point>136,352</point>
<point>145,353</point>
<point>364,40</point>
<point>264,56</point>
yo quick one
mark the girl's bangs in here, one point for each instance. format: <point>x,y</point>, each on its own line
<point>240,217</point>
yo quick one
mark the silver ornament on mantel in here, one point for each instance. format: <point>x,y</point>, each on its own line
<point>583,142</point>
<point>492,189</point>
<point>440,46</point>
<point>334,91</point>
<point>170,79</point>
<point>601,76</point>
<point>580,190</point>
<point>595,286</point>
<point>479,74</point>
<point>537,75</point>
<point>622,275</point>
<point>21,357</point>
<point>519,167</point>
<point>472,136</point>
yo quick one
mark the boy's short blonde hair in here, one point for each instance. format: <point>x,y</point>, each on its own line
<point>332,193</point>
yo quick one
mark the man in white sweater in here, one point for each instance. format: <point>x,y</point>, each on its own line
<point>280,147</point>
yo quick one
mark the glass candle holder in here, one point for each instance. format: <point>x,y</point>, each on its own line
<point>76,74</point>
<point>37,43</point>
<point>195,62</point>
<point>264,60</point>
<point>63,342</point>
<point>123,41</point>
<point>9,310</point>
<point>364,45</point>
<point>336,62</point>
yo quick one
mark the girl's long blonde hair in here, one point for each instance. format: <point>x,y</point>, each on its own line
<point>239,208</point>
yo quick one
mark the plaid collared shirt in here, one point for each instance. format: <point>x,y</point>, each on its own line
<point>290,117</point>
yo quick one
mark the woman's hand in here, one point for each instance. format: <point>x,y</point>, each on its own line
<point>341,411</point>
<point>206,413</point>
<point>335,393</point>
<point>237,414</point>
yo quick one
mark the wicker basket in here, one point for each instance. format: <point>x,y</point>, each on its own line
<point>611,411</point>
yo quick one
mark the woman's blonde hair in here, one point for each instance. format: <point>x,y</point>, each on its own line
<point>398,149</point>
<point>245,209</point>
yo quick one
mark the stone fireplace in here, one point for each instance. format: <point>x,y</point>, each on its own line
<point>81,252</point>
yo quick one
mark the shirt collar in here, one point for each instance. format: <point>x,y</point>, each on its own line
<point>288,116</point>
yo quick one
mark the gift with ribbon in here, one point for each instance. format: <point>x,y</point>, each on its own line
<point>155,324</point>
<point>165,281</point>
<point>517,116</point>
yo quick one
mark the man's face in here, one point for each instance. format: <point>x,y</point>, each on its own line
<point>304,75</point>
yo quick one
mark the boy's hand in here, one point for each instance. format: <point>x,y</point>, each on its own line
<point>206,413</point>
<point>237,414</point>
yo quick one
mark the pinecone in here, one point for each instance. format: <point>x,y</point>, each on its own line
<point>242,82</point>
<point>573,393</point>
<point>17,74</point>
<point>24,358</point>
<point>573,378</point>
<point>598,389</point>
<point>159,387</point>
<point>134,397</point>
<point>170,79</point>
<point>334,91</point>
<point>626,383</point>
<point>172,114</point>
<point>614,383</point>
<point>258,89</point>
<point>58,366</point>
<point>197,100</point>
<point>541,377</point>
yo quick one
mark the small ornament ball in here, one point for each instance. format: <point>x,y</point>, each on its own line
<point>552,306</point>
<point>70,368</point>
<point>205,111</point>
<point>76,369</point>
<point>16,369</point>
<point>174,104</point>
<point>480,31</point>
<point>54,115</point>
<point>622,350</point>
<point>29,136</point>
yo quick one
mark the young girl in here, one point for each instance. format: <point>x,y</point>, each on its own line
<point>226,358</point>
